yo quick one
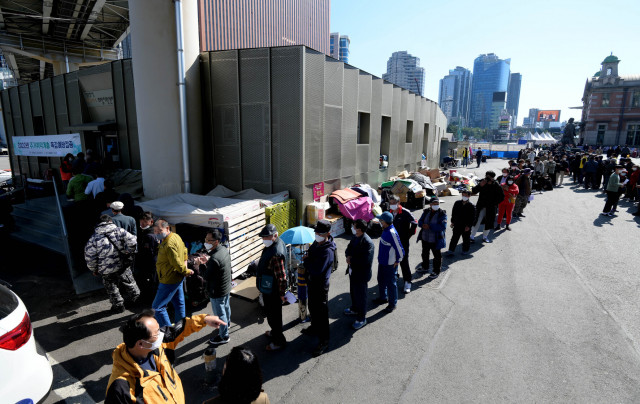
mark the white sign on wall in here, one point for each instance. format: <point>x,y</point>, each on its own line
<point>47,145</point>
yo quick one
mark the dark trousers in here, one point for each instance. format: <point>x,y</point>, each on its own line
<point>358,291</point>
<point>319,308</point>
<point>273,307</point>
<point>590,180</point>
<point>437,256</point>
<point>612,201</point>
<point>404,264</point>
<point>466,238</point>
<point>478,160</point>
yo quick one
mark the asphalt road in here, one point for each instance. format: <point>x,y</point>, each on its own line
<point>4,163</point>
<point>545,313</point>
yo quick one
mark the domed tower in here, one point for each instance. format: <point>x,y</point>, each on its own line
<point>609,72</point>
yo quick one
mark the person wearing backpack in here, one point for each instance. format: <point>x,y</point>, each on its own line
<point>272,283</point>
<point>359,255</point>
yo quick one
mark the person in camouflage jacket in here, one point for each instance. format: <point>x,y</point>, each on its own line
<point>111,263</point>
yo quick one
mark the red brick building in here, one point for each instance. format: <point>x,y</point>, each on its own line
<point>611,107</point>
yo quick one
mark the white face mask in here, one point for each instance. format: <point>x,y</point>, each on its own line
<point>353,230</point>
<point>510,182</point>
<point>393,207</point>
<point>208,246</point>
<point>635,168</point>
<point>319,238</point>
<point>157,343</point>
<point>435,207</point>
<point>267,243</point>
<point>465,198</point>
<point>144,227</point>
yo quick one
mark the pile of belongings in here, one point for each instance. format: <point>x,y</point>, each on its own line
<point>423,180</point>
<point>353,204</point>
<point>461,182</point>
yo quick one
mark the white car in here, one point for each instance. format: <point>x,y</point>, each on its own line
<point>25,373</point>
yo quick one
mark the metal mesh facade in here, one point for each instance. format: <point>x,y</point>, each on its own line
<point>313,104</point>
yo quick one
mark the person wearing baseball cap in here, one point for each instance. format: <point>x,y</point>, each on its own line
<point>271,281</point>
<point>318,263</point>
<point>433,225</point>
<point>390,254</point>
<point>123,221</point>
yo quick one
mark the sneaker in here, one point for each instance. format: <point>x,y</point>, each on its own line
<point>306,320</point>
<point>610,214</point>
<point>380,301</point>
<point>433,276</point>
<point>605,213</point>
<point>422,268</point>
<point>359,324</point>
<point>218,340</point>
<point>349,312</point>
<point>117,308</point>
<point>407,287</point>
<point>320,348</point>
<point>273,347</point>
<point>486,239</point>
<point>390,309</point>
<point>521,215</point>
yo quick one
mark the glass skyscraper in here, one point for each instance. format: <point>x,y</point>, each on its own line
<point>404,70</point>
<point>339,47</point>
<point>513,97</point>
<point>490,75</point>
<point>454,95</point>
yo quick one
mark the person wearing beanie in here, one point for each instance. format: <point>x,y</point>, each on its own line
<point>122,221</point>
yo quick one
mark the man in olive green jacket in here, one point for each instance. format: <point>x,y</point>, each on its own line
<point>613,192</point>
<point>171,266</point>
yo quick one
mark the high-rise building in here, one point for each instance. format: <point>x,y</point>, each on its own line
<point>404,70</point>
<point>490,75</point>
<point>262,23</point>
<point>455,90</point>
<point>339,47</point>
<point>513,97</point>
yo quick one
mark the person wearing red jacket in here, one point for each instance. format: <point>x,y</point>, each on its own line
<point>632,186</point>
<point>510,190</point>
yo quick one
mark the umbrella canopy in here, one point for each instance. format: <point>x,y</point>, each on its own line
<point>298,235</point>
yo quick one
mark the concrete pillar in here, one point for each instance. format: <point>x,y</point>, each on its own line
<point>155,76</point>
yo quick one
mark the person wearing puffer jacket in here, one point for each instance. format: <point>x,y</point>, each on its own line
<point>107,255</point>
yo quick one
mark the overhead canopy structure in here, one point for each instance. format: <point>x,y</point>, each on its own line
<point>40,39</point>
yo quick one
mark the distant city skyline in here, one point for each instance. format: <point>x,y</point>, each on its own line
<point>554,62</point>
<point>404,70</point>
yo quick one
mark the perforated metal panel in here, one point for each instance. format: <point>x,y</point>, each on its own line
<point>362,159</point>
<point>387,98</point>
<point>73,98</point>
<point>313,116</point>
<point>47,106</point>
<point>224,77</point>
<point>15,111</point>
<point>395,130</point>
<point>25,107</point>
<point>364,92</point>
<point>209,178</point>
<point>349,122</point>
<point>376,121</point>
<point>332,142</point>
<point>121,113</point>
<point>132,120</point>
<point>34,96</point>
<point>60,98</point>
<point>333,73</point>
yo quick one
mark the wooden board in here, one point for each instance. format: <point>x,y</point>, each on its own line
<point>255,245</point>
<point>246,253</point>
<point>230,229</point>
<point>239,219</point>
<point>245,260</point>
<point>247,290</point>
<point>252,234</point>
<point>254,226</point>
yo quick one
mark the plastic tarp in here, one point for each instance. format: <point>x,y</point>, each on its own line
<point>422,180</point>
<point>357,209</point>
<point>343,196</point>
<point>249,194</point>
<point>200,210</point>
<point>372,193</point>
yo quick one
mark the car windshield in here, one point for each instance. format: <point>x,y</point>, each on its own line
<point>8,302</point>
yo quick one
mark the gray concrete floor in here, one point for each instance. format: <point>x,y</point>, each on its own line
<point>4,163</point>
<point>545,313</point>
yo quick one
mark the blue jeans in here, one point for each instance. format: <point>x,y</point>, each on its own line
<point>166,293</point>
<point>222,309</point>
<point>387,284</point>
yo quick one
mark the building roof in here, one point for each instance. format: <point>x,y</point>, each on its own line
<point>610,59</point>
<point>597,74</point>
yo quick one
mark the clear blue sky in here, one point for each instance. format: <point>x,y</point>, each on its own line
<point>555,45</point>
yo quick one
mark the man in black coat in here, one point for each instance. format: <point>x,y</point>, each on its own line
<point>479,157</point>
<point>462,217</point>
<point>145,273</point>
<point>218,277</point>
<point>405,225</point>
<point>490,196</point>
<point>359,255</point>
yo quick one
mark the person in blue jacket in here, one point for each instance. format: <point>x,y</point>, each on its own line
<point>390,254</point>
<point>433,225</point>
<point>359,255</point>
<point>318,263</point>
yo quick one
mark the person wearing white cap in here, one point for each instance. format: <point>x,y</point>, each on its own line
<point>123,221</point>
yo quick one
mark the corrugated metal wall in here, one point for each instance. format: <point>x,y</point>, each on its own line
<point>315,103</point>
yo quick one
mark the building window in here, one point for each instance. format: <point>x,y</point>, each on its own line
<point>364,126</point>
<point>605,99</point>
<point>633,134</point>
<point>635,99</point>
<point>602,128</point>
<point>608,71</point>
<point>409,135</point>
<point>385,135</point>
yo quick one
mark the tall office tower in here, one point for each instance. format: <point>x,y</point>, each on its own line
<point>490,75</point>
<point>513,96</point>
<point>404,70</point>
<point>339,47</point>
<point>455,90</point>
<point>263,23</point>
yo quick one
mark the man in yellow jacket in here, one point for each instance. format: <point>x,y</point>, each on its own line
<point>171,266</point>
<point>142,367</point>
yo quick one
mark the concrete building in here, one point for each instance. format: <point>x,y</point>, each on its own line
<point>454,95</point>
<point>339,47</point>
<point>611,107</point>
<point>263,23</point>
<point>404,70</point>
<point>513,97</point>
<point>490,75</point>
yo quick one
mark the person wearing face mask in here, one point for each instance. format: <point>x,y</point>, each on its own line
<point>613,192</point>
<point>171,266</point>
<point>405,224</point>
<point>359,255</point>
<point>503,178</point>
<point>433,225</point>
<point>390,254</point>
<point>462,216</point>
<point>145,273</point>
<point>218,277</point>
<point>490,195</point>
<point>272,283</point>
<point>511,191</point>
<point>318,262</point>
<point>632,186</point>
<point>143,364</point>
<point>524,191</point>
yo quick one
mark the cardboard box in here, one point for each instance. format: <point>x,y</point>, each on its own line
<point>433,173</point>
<point>404,174</point>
